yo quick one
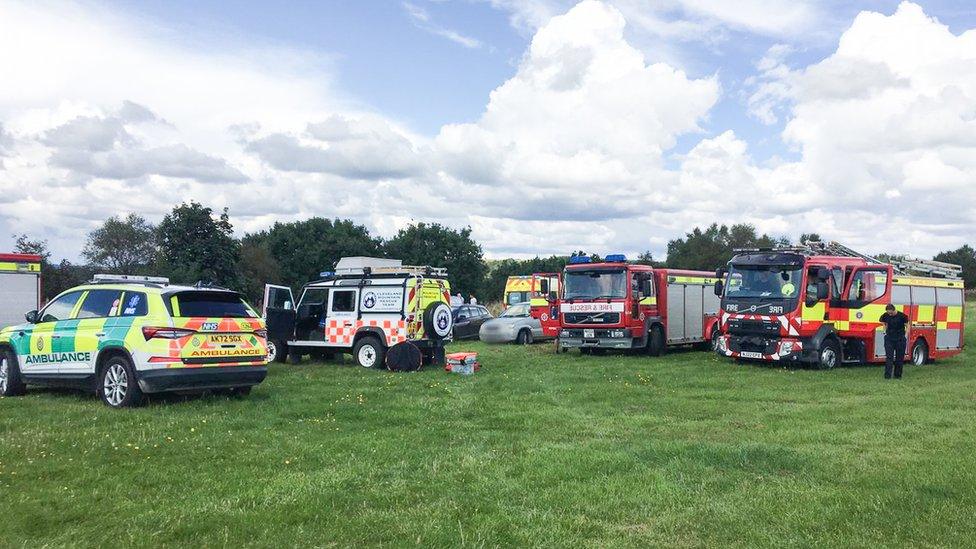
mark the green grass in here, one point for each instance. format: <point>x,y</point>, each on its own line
<point>536,449</point>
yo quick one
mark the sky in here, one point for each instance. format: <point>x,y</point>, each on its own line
<point>546,126</point>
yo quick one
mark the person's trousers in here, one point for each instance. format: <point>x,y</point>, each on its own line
<point>894,356</point>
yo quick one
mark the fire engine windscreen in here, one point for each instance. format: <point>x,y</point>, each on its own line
<point>595,284</point>
<point>768,281</point>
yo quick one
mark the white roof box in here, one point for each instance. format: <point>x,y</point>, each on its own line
<point>356,265</point>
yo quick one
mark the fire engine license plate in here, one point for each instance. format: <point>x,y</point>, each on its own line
<point>588,333</point>
<point>750,354</point>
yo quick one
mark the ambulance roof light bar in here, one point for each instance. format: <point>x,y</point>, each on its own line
<point>129,279</point>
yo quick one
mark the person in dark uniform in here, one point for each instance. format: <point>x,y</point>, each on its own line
<point>894,340</point>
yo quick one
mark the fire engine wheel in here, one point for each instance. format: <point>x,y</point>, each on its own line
<point>10,382</point>
<point>829,355</point>
<point>655,341</point>
<point>714,339</point>
<point>369,352</point>
<point>920,353</point>
<point>524,337</point>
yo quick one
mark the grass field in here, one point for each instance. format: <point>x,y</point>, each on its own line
<point>536,449</point>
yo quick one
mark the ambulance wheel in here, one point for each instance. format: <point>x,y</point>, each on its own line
<point>828,357</point>
<point>524,337</point>
<point>10,382</point>
<point>369,352</point>
<point>117,385</point>
<point>655,341</point>
<point>920,353</point>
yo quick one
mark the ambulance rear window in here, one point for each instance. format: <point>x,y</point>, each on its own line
<point>209,305</point>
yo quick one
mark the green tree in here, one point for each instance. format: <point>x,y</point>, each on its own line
<point>195,245</point>
<point>964,256</point>
<point>712,248</point>
<point>499,271</point>
<point>122,245</point>
<point>23,244</point>
<point>258,267</point>
<point>438,246</point>
<point>303,249</point>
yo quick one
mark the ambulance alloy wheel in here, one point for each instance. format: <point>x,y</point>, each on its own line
<point>920,353</point>
<point>117,385</point>
<point>438,321</point>
<point>369,352</point>
<point>10,382</point>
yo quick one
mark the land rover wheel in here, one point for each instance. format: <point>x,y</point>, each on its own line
<point>277,351</point>
<point>920,353</point>
<point>117,384</point>
<point>10,382</point>
<point>438,321</point>
<point>369,352</point>
<point>828,357</point>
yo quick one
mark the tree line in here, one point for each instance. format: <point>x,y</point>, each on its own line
<point>193,243</point>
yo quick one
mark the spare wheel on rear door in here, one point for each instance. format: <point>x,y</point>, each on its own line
<point>438,321</point>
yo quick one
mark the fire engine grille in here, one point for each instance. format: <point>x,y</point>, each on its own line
<point>740,326</point>
<point>753,345</point>
<point>591,318</point>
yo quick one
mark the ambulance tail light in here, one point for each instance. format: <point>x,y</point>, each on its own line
<point>153,332</point>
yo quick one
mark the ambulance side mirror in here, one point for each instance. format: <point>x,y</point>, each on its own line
<point>719,288</point>
<point>31,317</point>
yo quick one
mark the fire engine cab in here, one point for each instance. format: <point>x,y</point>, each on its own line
<point>365,307</point>
<point>617,305</point>
<point>821,303</point>
<point>540,290</point>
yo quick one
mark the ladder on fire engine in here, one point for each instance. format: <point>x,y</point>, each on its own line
<point>903,266</point>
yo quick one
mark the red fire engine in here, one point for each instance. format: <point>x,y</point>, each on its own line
<point>618,305</point>
<point>822,303</point>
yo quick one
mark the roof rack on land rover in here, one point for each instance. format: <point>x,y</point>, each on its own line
<point>130,279</point>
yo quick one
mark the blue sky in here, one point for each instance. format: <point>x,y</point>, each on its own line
<point>627,124</point>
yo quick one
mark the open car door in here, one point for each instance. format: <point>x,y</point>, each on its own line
<point>279,313</point>
<point>545,306</point>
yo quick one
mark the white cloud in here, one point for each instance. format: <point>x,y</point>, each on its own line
<point>574,151</point>
<point>422,20</point>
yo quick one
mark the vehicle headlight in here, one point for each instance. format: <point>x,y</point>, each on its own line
<point>786,347</point>
<point>564,333</point>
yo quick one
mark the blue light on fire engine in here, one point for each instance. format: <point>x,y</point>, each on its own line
<point>577,259</point>
<point>616,258</point>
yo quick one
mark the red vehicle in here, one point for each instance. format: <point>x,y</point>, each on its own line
<point>540,290</point>
<point>822,303</point>
<point>618,305</point>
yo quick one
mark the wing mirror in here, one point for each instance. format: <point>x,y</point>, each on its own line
<point>719,287</point>
<point>31,317</point>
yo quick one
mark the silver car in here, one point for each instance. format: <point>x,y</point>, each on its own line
<point>514,324</point>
